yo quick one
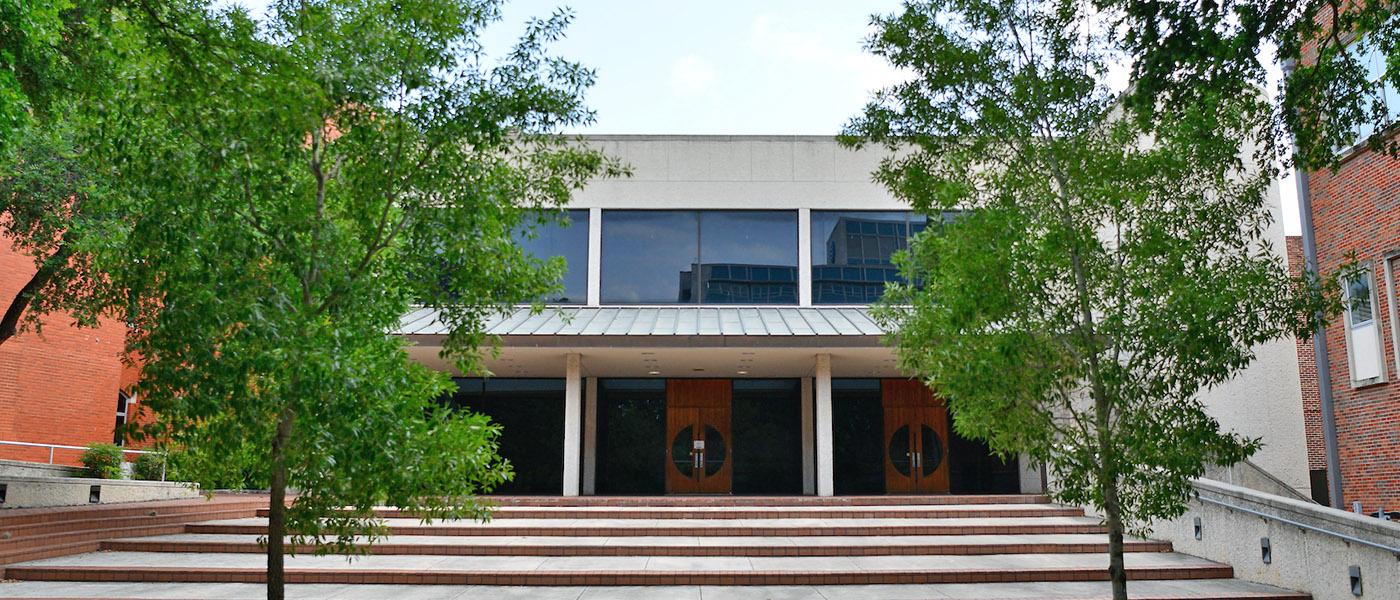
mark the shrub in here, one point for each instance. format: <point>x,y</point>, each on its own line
<point>148,467</point>
<point>102,461</point>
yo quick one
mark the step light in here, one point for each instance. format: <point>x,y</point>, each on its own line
<point>1354,572</point>
<point>1266,552</point>
<point>1198,528</point>
<point>94,494</point>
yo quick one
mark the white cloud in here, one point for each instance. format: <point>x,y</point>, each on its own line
<point>691,75</point>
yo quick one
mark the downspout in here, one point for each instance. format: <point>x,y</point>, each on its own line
<point>1320,359</point>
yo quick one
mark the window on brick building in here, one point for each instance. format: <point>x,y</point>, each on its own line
<point>1373,62</point>
<point>1364,350</point>
<point>123,401</point>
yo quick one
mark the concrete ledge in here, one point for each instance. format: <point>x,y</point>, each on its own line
<point>30,492</point>
<point>20,468</point>
<point>1300,558</point>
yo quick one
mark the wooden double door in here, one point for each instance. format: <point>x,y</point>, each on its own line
<point>916,438</point>
<point>699,458</point>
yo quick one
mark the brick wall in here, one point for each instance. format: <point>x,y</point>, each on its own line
<point>1357,209</point>
<point>57,387</point>
<point>1307,374</point>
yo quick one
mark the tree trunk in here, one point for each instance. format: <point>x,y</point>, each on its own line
<point>9,324</point>
<point>1108,485</point>
<point>277,509</point>
<point>1113,514</point>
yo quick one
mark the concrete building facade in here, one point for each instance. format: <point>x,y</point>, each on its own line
<point>714,337</point>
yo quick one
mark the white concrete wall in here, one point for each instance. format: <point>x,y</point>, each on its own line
<point>1302,559</point>
<point>1266,399</point>
<point>814,172</point>
<point>737,172</point>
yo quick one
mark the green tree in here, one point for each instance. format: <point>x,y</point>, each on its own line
<point>275,194</point>
<point>1180,49</point>
<point>1101,274</point>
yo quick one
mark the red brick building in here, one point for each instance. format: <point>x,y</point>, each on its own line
<point>1307,379</point>
<point>1355,213</point>
<point>1357,209</point>
<point>59,386</point>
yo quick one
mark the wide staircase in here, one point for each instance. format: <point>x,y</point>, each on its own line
<point>981,547</point>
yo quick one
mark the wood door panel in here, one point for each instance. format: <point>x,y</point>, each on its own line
<point>910,404</point>
<point>702,405</point>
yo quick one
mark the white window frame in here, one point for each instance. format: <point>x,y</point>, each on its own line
<point>1366,269</point>
<point>1391,311</point>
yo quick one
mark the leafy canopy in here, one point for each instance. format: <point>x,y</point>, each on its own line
<point>1180,49</point>
<point>277,193</point>
<point>1103,272</point>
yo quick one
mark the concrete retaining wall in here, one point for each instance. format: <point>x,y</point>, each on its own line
<point>28,492</point>
<point>1302,559</point>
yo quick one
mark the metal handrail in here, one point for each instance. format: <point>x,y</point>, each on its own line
<point>1313,528</point>
<point>53,447</point>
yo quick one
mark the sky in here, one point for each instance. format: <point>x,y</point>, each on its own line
<point>724,66</point>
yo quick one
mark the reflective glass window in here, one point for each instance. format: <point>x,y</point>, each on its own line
<point>695,257</point>
<point>565,236</point>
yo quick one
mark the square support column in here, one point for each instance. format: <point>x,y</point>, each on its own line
<point>590,435</point>
<point>573,423</point>
<point>809,441</point>
<point>825,454</point>
<point>804,257</point>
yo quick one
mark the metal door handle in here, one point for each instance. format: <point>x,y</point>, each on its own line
<point>701,456</point>
<point>916,459</point>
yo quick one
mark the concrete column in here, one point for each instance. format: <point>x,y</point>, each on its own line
<point>595,256</point>
<point>573,426</point>
<point>804,257</point>
<point>590,435</point>
<point>825,454</point>
<point>1030,475</point>
<point>809,449</point>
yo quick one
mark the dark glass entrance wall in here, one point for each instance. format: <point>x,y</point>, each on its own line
<point>531,415</point>
<point>859,462</point>
<point>767,429</point>
<point>857,437</point>
<point>631,451</point>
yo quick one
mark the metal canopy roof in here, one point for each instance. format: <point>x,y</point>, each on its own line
<point>834,321</point>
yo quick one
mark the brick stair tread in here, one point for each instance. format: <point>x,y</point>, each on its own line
<point>666,546</point>
<point>780,501</point>
<point>516,564</point>
<point>19,517</point>
<point>685,527</point>
<point>32,530</point>
<point>759,512</point>
<point>1216,589</point>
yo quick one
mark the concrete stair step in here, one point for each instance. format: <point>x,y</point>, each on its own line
<point>1200,589</point>
<point>757,512</point>
<point>618,570</point>
<point>44,530</point>
<point>33,534</point>
<point>699,527</point>
<point>664,546</point>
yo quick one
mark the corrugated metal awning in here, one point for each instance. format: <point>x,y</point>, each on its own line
<point>633,321</point>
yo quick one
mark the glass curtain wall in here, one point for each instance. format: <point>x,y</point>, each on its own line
<point>531,415</point>
<point>565,236</point>
<point>767,426</point>
<point>699,257</point>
